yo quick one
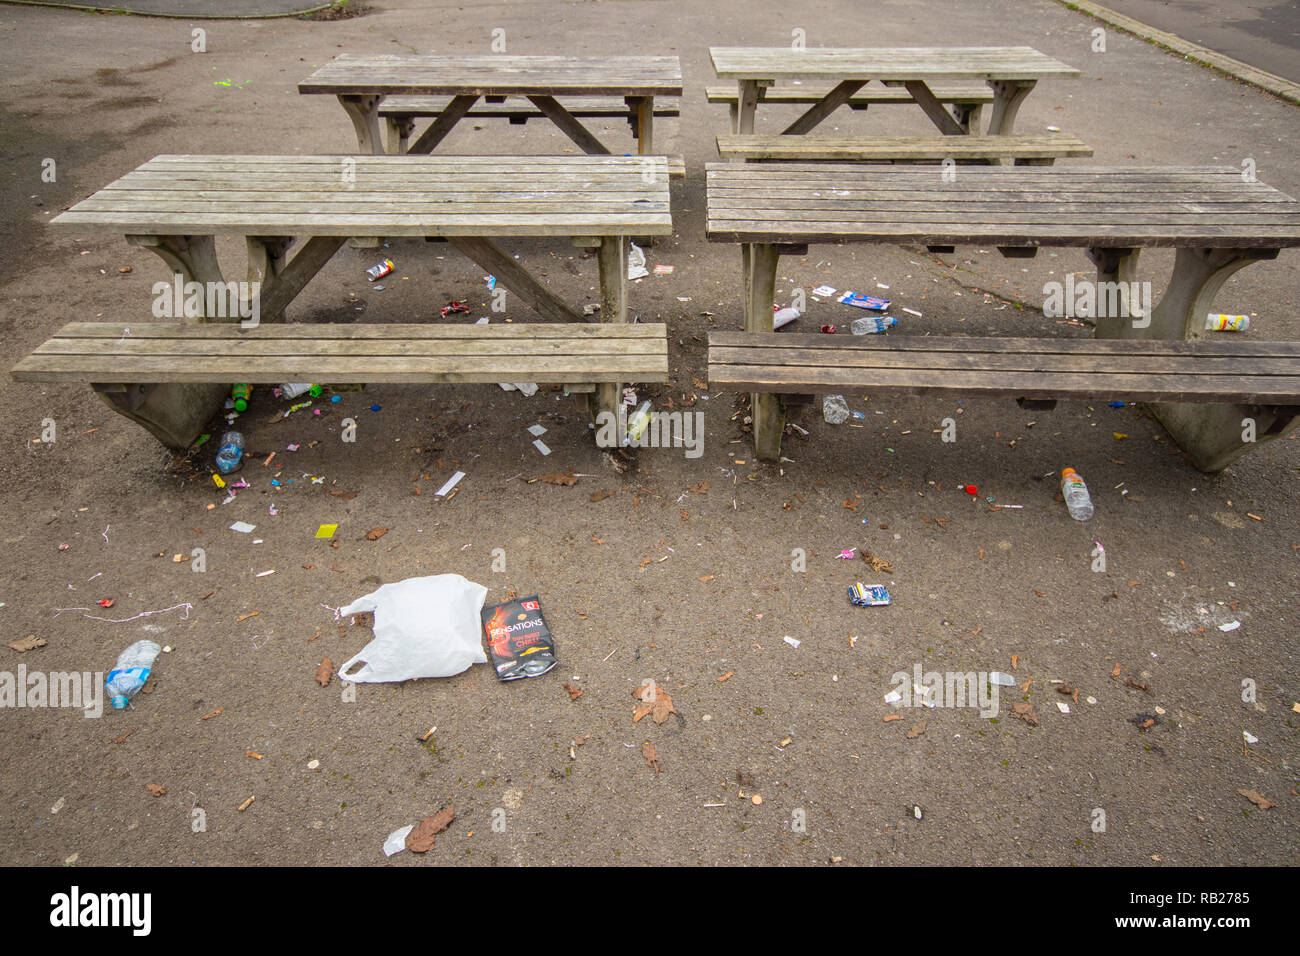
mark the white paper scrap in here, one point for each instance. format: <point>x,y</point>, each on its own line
<point>452,482</point>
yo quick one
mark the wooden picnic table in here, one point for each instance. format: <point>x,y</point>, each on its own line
<point>361,81</point>
<point>1216,222</point>
<point>1010,72</point>
<point>177,205</point>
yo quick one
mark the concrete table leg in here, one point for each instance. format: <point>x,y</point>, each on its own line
<point>1212,436</point>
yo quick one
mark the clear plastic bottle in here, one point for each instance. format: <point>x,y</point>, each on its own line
<point>835,409</point>
<point>1075,492</point>
<point>131,671</point>
<point>230,452</point>
<point>294,389</point>
<point>636,425</point>
<point>870,324</point>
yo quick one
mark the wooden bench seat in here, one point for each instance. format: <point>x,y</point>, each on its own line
<point>517,109</point>
<point>1148,370</point>
<point>867,96</point>
<point>400,113</point>
<point>1024,150</point>
<point>126,364</point>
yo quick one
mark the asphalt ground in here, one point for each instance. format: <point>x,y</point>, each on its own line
<point>657,581</point>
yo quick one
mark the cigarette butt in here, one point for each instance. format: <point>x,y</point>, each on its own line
<point>255,756</point>
<point>267,461</point>
<point>246,804</point>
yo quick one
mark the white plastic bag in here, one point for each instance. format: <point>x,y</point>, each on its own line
<point>636,263</point>
<point>424,627</point>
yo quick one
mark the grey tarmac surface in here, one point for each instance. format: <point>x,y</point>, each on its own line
<point>656,582</point>
<point>1263,33</point>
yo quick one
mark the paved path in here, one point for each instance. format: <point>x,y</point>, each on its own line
<point>1263,33</point>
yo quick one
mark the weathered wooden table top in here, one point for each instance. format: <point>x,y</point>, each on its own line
<point>495,75</point>
<point>898,63</point>
<point>410,195</point>
<point>1099,206</point>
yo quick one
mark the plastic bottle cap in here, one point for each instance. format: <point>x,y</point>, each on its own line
<point>119,702</point>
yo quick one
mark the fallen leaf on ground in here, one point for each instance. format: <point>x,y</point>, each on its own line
<point>28,643</point>
<point>156,789</point>
<point>374,534</point>
<point>651,756</point>
<point>325,672</point>
<point>655,701</point>
<point>556,478</point>
<point>917,731</point>
<point>879,565</point>
<point>1015,660</point>
<point>1258,799</point>
<point>574,692</point>
<point>1026,713</point>
<point>602,495</point>
<point>215,713</point>
<point>579,741</point>
<point>1115,670</point>
<point>421,839</point>
<point>699,488</point>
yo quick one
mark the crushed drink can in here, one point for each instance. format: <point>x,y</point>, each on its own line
<point>379,271</point>
<point>1226,323</point>
<point>868,595</point>
<point>518,639</point>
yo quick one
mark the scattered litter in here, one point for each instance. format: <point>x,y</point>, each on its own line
<point>846,554</point>
<point>1249,737</point>
<point>424,627</point>
<point>784,317</point>
<point>326,530</point>
<point>313,764</point>
<point>1063,707</point>
<point>243,527</point>
<point>791,641</point>
<point>379,271</point>
<point>541,446</point>
<point>452,482</point>
<point>824,290</point>
<point>491,282</point>
<point>860,300</point>
<point>454,308</point>
<point>1226,323</point>
<point>862,595</point>
<point>396,841</point>
<point>636,262</point>
<point>536,430</point>
<point>523,647</point>
<point>663,270</point>
<point>1230,626</point>
<point>1001,679</point>
<point>912,312</point>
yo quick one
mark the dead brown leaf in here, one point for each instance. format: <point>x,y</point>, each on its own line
<point>156,789</point>
<point>879,565</point>
<point>421,839</point>
<point>651,756</point>
<point>574,692</point>
<point>1258,799</point>
<point>699,488</point>
<point>602,495</point>
<point>555,478</point>
<point>917,730</point>
<point>325,672</point>
<point>1115,670</point>
<point>28,643</point>
<point>374,534</point>
<point>1025,712</point>
<point>655,701</point>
